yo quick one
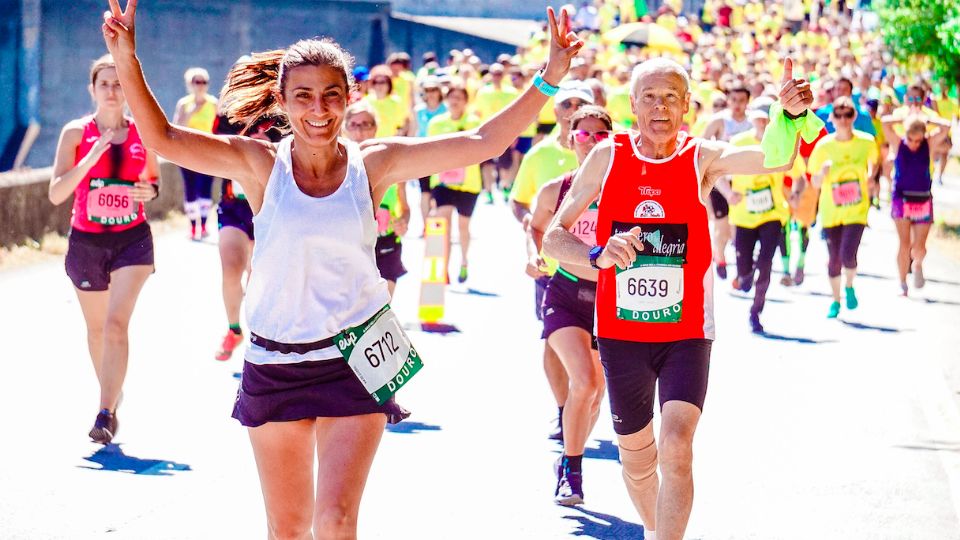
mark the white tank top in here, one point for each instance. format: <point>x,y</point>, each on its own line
<point>733,127</point>
<point>314,271</point>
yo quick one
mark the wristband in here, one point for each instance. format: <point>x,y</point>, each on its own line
<point>792,117</point>
<point>543,86</point>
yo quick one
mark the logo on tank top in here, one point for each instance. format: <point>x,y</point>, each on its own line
<point>648,191</point>
<point>649,209</point>
<point>137,151</point>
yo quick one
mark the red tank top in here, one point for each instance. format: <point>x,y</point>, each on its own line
<point>667,295</point>
<point>102,202</point>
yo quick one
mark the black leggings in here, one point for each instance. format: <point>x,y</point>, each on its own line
<point>769,235</point>
<point>843,242</point>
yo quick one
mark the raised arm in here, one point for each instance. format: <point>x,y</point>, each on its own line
<point>714,129</point>
<point>245,160</point>
<point>392,160</point>
<point>719,158</point>
<point>888,122</point>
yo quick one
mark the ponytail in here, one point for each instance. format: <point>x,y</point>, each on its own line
<point>252,89</point>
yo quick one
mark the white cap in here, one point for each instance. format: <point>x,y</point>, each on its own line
<point>574,89</point>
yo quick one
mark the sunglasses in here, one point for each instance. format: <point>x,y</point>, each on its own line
<point>581,135</point>
<point>381,81</point>
<point>361,125</point>
<point>845,115</point>
<point>914,100</point>
<point>572,104</point>
<point>199,82</point>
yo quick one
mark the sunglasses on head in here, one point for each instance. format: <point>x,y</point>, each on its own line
<point>581,135</point>
<point>847,114</point>
<point>361,125</point>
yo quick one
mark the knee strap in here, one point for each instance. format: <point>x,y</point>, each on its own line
<point>640,467</point>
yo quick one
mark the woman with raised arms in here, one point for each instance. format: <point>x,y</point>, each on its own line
<point>316,305</point>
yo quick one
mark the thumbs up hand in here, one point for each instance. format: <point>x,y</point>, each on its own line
<point>795,94</point>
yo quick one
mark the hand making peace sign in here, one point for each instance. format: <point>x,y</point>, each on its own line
<point>564,45</point>
<point>117,28</point>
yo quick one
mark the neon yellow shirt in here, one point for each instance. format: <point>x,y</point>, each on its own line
<point>763,200</point>
<point>490,100</point>
<point>843,196</point>
<point>391,114</point>
<point>402,84</point>
<point>205,116</point>
<point>618,105</point>
<point>468,178</point>
<point>544,162</point>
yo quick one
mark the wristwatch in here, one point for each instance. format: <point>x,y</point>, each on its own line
<point>595,252</point>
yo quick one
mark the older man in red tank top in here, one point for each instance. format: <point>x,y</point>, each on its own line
<point>655,291</point>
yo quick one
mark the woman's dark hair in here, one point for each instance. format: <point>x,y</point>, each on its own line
<point>255,84</point>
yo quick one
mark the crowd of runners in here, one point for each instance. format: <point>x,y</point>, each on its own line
<point>628,167</point>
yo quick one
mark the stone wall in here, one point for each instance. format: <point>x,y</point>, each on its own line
<point>26,212</point>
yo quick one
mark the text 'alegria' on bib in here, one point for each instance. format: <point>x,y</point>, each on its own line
<point>651,289</point>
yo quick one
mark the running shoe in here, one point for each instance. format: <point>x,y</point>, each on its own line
<point>105,427</point>
<point>834,310</point>
<point>904,290</point>
<point>230,342</point>
<point>918,280</point>
<point>203,233</point>
<point>786,280</point>
<point>722,271</point>
<point>488,196</point>
<point>569,490</point>
<point>852,301</point>
<point>755,325</point>
<point>463,274</point>
<point>798,276</point>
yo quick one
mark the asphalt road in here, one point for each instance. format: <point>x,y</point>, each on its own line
<point>845,429</point>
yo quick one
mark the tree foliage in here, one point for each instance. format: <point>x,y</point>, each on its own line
<point>929,29</point>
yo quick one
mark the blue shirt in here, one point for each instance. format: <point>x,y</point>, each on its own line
<point>424,115</point>
<point>862,121</point>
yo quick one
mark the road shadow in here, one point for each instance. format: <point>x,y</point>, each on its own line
<point>604,526</point>
<point>939,302</point>
<point>606,450</point>
<point>932,446</point>
<point>868,275</point>
<point>474,292</point>
<point>408,428</point>
<point>436,328</point>
<point>817,293</point>
<point>793,339</point>
<point>112,458</point>
<point>863,326</point>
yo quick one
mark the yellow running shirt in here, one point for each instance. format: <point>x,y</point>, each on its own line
<point>203,119</point>
<point>544,162</point>
<point>465,179</point>
<point>391,114</point>
<point>844,199</point>
<point>490,100</point>
<point>763,197</point>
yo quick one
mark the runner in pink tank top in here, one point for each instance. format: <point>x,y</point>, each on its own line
<point>103,164</point>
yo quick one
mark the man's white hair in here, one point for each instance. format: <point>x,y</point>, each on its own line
<point>657,65</point>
